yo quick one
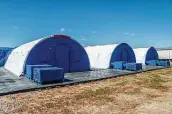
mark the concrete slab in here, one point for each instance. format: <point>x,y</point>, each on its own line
<point>9,83</point>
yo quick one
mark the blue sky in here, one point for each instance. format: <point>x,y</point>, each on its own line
<point>140,23</point>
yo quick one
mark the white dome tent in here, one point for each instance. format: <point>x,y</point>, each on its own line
<point>145,54</point>
<point>101,56</point>
<point>55,50</point>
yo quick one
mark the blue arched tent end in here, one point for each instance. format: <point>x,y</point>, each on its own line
<point>123,52</point>
<point>4,53</point>
<point>151,54</point>
<point>59,51</point>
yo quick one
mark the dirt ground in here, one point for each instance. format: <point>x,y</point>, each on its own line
<point>144,93</point>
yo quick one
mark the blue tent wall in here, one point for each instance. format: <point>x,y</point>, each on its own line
<point>60,52</point>
<point>123,52</point>
<point>4,52</point>
<point>151,54</point>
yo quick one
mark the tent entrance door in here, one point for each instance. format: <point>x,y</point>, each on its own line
<point>62,57</point>
<point>125,55</point>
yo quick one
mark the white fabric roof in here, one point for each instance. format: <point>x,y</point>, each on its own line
<point>100,55</point>
<point>17,58</point>
<point>140,54</point>
<point>165,54</point>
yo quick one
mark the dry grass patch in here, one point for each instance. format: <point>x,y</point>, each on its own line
<point>156,82</point>
<point>119,95</point>
<point>152,96</point>
<point>122,83</point>
<point>100,92</point>
<point>133,91</point>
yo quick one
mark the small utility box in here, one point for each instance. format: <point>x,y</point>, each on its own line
<point>164,63</point>
<point>48,75</point>
<point>119,65</point>
<point>30,69</point>
<point>134,66</point>
<point>153,62</point>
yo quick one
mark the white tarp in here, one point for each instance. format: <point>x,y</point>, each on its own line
<point>140,54</point>
<point>100,55</point>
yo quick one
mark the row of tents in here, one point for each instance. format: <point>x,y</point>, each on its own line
<point>62,51</point>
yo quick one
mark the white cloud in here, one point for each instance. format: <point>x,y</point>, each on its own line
<point>15,27</point>
<point>65,30</point>
<point>62,29</point>
<point>83,39</point>
<point>130,33</point>
<point>126,33</point>
<point>94,32</point>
